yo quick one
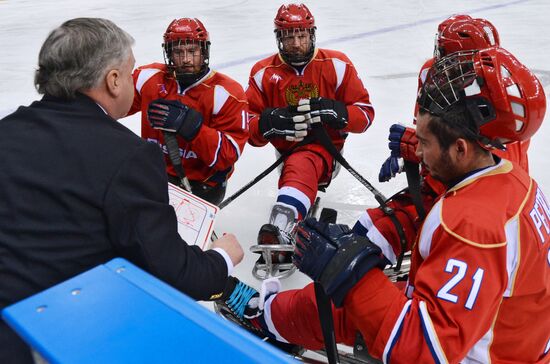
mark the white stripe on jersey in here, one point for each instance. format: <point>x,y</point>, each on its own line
<point>144,75</point>
<point>395,331</point>
<point>431,339</point>
<point>432,222</point>
<point>220,97</point>
<point>479,353</point>
<point>258,79</point>
<point>511,230</point>
<point>235,145</point>
<point>217,150</point>
<point>340,70</point>
<point>269,321</point>
<point>377,238</point>
<point>361,105</point>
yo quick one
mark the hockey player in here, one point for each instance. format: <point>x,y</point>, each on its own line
<point>302,80</point>
<point>457,33</point>
<point>206,109</point>
<point>479,283</point>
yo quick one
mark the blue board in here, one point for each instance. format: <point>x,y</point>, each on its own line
<point>117,313</point>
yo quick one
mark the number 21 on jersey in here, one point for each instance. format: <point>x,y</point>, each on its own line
<point>459,269</point>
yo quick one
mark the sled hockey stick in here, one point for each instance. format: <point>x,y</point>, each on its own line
<point>268,170</point>
<point>325,141</point>
<point>413,180</point>
<point>327,324</point>
<point>324,309</point>
<point>174,153</point>
<point>173,150</point>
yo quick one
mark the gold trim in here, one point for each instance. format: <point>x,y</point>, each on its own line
<point>505,168</point>
<point>467,241</point>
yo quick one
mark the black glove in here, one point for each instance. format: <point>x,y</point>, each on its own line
<point>175,117</point>
<point>283,122</point>
<point>328,111</point>
<point>334,256</point>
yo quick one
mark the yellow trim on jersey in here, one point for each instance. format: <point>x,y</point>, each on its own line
<point>464,240</point>
<point>525,199</point>
<point>504,168</point>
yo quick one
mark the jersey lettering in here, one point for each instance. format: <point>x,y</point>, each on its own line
<point>540,214</point>
<point>184,153</point>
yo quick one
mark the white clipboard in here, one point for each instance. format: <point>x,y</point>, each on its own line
<point>195,216</point>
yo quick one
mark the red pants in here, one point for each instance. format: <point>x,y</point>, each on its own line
<point>294,314</point>
<point>303,170</point>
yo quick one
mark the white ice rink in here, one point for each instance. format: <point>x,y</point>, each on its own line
<point>388,41</point>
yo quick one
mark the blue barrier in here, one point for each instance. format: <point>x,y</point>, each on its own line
<point>117,313</point>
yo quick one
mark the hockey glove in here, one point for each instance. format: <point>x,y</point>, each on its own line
<point>334,256</point>
<point>283,122</point>
<point>331,112</point>
<point>390,168</point>
<point>403,143</point>
<point>175,117</point>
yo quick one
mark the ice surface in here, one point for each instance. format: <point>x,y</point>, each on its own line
<point>388,41</point>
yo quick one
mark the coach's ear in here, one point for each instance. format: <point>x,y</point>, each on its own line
<point>113,82</point>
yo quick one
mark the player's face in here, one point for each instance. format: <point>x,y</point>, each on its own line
<point>435,159</point>
<point>187,57</point>
<point>296,42</point>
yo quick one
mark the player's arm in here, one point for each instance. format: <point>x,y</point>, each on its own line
<point>376,225</point>
<point>457,291</point>
<point>144,79</point>
<point>221,143</point>
<point>256,105</point>
<point>357,100</point>
<point>350,110</point>
<point>142,227</point>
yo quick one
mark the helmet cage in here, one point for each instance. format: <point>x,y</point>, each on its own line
<point>292,58</point>
<point>173,69</point>
<point>505,101</point>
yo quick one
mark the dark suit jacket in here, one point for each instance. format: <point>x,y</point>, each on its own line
<point>77,189</point>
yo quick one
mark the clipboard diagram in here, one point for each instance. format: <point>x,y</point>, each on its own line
<point>195,216</point>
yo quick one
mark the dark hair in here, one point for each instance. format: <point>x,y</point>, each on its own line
<point>77,54</point>
<point>451,125</point>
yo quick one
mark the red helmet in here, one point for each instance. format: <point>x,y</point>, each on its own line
<point>289,20</point>
<point>185,31</point>
<point>294,16</point>
<point>450,20</point>
<point>503,97</point>
<point>465,34</point>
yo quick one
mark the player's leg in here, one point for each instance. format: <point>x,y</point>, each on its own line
<point>300,176</point>
<point>291,316</point>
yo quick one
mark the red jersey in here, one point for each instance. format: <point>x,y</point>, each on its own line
<point>479,284</point>
<point>221,101</point>
<point>329,74</point>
